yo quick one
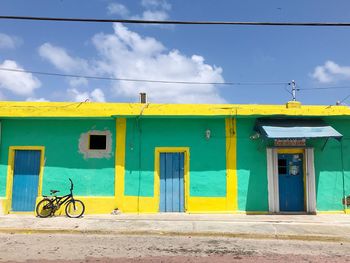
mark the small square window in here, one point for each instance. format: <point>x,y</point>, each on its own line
<point>97,142</point>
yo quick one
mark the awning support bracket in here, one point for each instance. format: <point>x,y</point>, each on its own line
<point>324,145</point>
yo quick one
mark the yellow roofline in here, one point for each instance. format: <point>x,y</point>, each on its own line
<point>94,109</point>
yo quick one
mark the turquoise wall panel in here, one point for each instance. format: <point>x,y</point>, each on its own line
<point>62,158</point>
<point>207,157</point>
<point>251,169</point>
<point>331,182</point>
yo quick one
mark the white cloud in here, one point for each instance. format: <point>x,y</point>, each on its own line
<point>96,95</point>
<point>153,15</point>
<point>126,54</point>
<point>37,99</point>
<point>17,82</point>
<point>117,9</point>
<point>331,72</point>
<point>156,4</point>
<point>60,58</point>
<point>153,10</point>
<point>75,82</point>
<point>9,42</point>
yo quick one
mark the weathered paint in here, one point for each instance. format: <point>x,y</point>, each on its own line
<point>84,145</point>
<point>90,109</point>
<point>62,157</point>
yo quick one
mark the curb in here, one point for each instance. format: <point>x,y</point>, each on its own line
<point>321,238</point>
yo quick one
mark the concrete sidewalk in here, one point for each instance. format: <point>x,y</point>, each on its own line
<point>298,227</point>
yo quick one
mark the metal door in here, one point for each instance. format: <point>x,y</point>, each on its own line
<point>171,182</point>
<point>291,182</point>
<point>25,179</point>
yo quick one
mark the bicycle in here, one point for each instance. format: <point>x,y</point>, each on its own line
<point>50,204</point>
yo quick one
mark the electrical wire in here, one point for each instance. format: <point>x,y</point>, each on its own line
<point>144,80</point>
<point>325,88</point>
<point>177,22</point>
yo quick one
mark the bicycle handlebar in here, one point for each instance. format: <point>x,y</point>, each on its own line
<point>71,184</point>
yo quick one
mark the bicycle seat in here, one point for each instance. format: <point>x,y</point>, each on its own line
<point>54,191</point>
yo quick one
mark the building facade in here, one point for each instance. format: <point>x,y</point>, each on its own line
<point>150,158</point>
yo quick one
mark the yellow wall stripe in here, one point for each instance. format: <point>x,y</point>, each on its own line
<point>120,162</point>
<point>231,165</point>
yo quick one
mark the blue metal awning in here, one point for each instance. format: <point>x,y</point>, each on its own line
<point>295,129</point>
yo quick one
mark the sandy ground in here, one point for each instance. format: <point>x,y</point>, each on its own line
<point>111,248</point>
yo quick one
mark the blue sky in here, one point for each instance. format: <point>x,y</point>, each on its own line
<point>313,57</point>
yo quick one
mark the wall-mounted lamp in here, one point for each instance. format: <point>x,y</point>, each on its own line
<point>255,136</point>
<point>207,134</point>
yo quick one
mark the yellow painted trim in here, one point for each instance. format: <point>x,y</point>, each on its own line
<point>197,204</point>
<point>140,204</point>
<point>290,150</point>
<point>93,204</point>
<point>231,165</point>
<point>93,109</point>
<point>157,151</point>
<point>10,168</point>
<point>346,211</point>
<point>120,163</point>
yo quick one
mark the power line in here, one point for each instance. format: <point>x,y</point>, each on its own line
<point>144,80</point>
<point>325,88</point>
<point>178,22</point>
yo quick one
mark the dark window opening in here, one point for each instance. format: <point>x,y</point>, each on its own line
<point>282,162</point>
<point>282,166</point>
<point>98,142</point>
<point>282,170</point>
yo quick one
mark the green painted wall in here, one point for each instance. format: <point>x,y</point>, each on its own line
<point>251,169</point>
<point>328,168</point>
<point>207,157</point>
<point>91,177</point>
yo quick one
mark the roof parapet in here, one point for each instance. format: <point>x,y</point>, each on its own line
<point>293,105</point>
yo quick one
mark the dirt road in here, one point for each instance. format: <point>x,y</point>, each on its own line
<point>109,248</point>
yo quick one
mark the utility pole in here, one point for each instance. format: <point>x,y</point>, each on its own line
<point>294,90</point>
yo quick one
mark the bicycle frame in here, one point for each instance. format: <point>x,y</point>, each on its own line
<point>61,200</point>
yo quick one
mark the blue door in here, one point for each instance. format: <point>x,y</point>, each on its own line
<point>291,182</point>
<point>25,180</point>
<point>171,182</point>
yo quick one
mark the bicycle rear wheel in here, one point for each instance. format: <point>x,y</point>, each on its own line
<point>75,208</point>
<point>44,208</point>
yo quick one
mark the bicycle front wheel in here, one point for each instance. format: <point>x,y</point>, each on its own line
<point>75,208</point>
<point>44,208</point>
